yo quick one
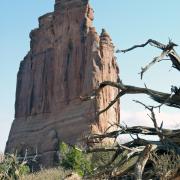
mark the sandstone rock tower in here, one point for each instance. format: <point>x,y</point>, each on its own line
<point>67,60</point>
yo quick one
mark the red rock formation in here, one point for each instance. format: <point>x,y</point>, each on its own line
<point>67,60</point>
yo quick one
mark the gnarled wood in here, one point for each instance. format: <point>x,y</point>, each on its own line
<point>143,158</point>
<point>168,50</point>
<point>160,97</point>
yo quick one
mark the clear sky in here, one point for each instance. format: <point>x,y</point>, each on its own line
<point>128,22</point>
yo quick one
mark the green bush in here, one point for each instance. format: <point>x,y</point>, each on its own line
<point>11,168</point>
<point>74,159</point>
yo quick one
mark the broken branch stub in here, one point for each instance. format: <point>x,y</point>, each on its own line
<point>142,160</point>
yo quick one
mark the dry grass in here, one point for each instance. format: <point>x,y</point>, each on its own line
<point>49,174</point>
<point>1,157</point>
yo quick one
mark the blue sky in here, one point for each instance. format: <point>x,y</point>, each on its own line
<point>128,22</point>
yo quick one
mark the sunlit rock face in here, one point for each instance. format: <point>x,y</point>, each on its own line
<point>67,59</point>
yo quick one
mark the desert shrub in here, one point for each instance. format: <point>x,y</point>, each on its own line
<point>165,166</point>
<point>102,158</point>
<point>11,168</point>
<point>74,159</point>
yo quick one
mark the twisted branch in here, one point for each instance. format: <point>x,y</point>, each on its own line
<point>160,97</point>
<point>168,50</point>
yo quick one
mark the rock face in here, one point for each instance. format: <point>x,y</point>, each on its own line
<point>67,60</point>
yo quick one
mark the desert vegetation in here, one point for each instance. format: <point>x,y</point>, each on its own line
<point>11,168</point>
<point>102,162</point>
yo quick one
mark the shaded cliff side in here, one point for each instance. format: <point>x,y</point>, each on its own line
<point>67,59</point>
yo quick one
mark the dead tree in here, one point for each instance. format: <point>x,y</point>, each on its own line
<point>138,151</point>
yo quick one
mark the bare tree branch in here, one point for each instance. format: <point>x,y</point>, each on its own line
<point>168,50</point>
<point>136,130</point>
<point>155,60</point>
<point>112,102</point>
<point>160,97</point>
<point>150,41</point>
<point>103,149</point>
<point>153,118</point>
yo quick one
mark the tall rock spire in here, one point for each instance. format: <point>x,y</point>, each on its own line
<point>67,60</point>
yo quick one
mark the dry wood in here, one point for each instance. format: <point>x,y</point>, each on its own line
<point>135,130</point>
<point>155,60</point>
<point>153,118</point>
<point>143,158</point>
<point>160,97</point>
<point>135,154</point>
<point>168,50</point>
<point>149,41</point>
<point>103,149</point>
